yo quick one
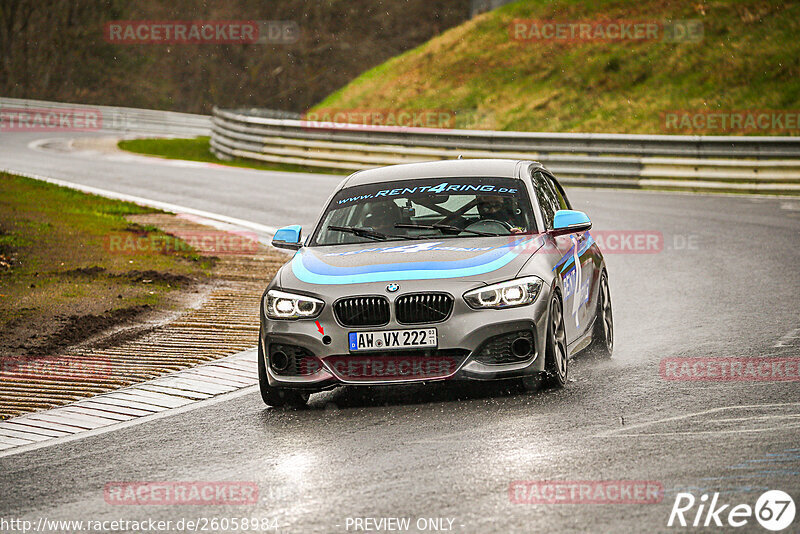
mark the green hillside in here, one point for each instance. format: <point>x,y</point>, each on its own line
<point>748,59</point>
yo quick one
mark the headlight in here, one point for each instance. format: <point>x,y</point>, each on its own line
<point>511,294</point>
<point>280,305</point>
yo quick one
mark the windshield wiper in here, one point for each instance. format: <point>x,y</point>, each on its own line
<point>445,228</point>
<point>367,232</point>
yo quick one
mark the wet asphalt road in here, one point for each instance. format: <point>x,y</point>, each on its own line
<point>725,284</point>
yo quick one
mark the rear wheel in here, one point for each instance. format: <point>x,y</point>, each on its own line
<point>556,357</point>
<point>603,333</point>
<point>277,397</point>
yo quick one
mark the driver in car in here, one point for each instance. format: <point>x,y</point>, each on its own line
<point>501,209</point>
<point>383,216</point>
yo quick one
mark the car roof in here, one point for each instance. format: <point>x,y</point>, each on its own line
<point>501,168</point>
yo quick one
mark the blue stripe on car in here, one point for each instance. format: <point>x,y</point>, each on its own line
<point>314,271</point>
<point>568,258</point>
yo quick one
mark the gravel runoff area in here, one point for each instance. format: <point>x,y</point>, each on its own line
<point>224,322</point>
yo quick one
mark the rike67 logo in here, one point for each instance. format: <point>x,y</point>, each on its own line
<point>774,510</point>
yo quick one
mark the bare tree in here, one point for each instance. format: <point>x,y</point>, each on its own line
<point>53,49</point>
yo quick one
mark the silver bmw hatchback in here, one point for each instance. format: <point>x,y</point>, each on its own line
<point>462,269</point>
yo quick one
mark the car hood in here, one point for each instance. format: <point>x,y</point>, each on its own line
<point>472,259</point>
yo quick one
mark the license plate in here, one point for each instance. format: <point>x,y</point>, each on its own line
<point>393,339</point>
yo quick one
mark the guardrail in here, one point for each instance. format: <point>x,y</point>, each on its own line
<point>125,120</point>
<point>745,163</point>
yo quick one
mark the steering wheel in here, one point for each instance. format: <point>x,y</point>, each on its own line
<point>490,225</point>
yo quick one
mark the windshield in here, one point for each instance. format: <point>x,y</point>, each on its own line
<point>419,209</point>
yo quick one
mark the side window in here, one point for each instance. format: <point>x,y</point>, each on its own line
<point>561,197</point>
<point>546,197</point>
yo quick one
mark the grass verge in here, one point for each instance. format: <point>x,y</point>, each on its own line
<point>62,280</point>
<point>746,59</point>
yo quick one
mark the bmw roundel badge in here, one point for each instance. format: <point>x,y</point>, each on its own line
<point>391,288</point>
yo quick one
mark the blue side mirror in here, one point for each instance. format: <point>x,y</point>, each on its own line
<point>570,222</point>
<point>288,237</point>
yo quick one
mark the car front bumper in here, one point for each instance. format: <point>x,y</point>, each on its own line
<point>461,344</point>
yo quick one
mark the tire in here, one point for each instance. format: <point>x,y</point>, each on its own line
<point>556,355</point>
<point>277,397</point>
<point>603,332</point>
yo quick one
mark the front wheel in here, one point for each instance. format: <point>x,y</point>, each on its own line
<point>277,397</point>
<point>556,356</point>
